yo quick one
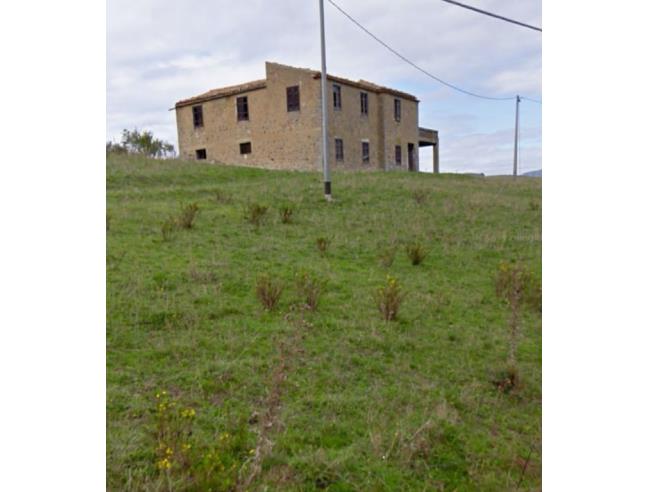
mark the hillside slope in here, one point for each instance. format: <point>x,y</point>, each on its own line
<point>208,391</point>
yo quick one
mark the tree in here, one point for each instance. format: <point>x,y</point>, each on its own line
<point>136,142</point>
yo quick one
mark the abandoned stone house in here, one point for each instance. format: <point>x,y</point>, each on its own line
<point>276,123</point>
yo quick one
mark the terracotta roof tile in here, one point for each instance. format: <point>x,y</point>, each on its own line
<point>223,92</point>
<point>261,84</point>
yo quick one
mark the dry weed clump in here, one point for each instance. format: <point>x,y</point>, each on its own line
<point>389,298</point>
<point>187,216</point>
<point>255,213</point>
<point>387,255</point>
<point>268,291</point>
<point>323,244</point>
<point>286,214</point>
<point>310,288</point>
<point>415,252</point>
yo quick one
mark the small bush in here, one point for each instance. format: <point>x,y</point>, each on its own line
<point>187,216</point>
<point>389,299</point>
<point>515,284</point>
<point>173,430</point>
<point>419,196</point>
<point>168,228</point>
<point>221,196</point>
<point>310,288</point>
<point>323,245</point>
<point>254,213</point>
<point>507,380</point>
<point>387,256</point>
<point>285,214</point>
<point>268,291</point>
<point>416,253</point>
<point>108,219</point>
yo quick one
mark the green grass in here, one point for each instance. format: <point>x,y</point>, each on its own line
<point>334,398</point>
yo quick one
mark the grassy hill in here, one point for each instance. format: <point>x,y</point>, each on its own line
<point>207,390</point>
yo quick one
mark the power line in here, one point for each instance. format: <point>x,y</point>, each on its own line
<point>410,62</point>
<point>529,99</point>
<point>407,60</point>
<point>492,15</point>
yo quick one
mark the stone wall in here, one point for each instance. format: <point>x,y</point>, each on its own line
<point>291,140</point>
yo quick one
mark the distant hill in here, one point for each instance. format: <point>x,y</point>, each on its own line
<point>534,174</point>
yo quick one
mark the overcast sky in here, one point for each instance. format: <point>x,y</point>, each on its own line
<point>161,51</point>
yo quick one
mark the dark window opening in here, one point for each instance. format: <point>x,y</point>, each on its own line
<point>201,154</point>
<point>399,155</point>
<point>337,96</point>
<point>365,152</point>
<point>364,103</point>
<point>339,149</point>
<point>197,116</point>
<point>292,98</point>
<point>397,109</point>
<point>242,113</point>
<point>245,147</point>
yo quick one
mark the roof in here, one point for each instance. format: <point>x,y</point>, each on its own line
<point>223,92</point>
<point>369,86</point>
<point>261,84</point>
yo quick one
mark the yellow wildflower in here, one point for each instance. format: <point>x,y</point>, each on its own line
<point>164,464</point>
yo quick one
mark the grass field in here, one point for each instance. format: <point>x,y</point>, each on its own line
<point>206,390</point>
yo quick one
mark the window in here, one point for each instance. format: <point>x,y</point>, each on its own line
<point>242,113</point>
<point>364,103</point>
<point>337,96</point>
<point>201,154</point>
<point>197,116</point>
<point>339,149</point>
<point>397,109</point>
<point>399,155</point>
<point>245,147</point>
<point>365,152</point>
<point>292,98</point>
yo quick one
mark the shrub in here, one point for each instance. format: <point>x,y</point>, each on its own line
<point>310,288</point>
<point>173,430</point>
<point>389,299</point>
<point>322,244</point>
<point>419,196</point>
<point>268,291</point>
<point>507,379</point>
<point>135,142</point>
<point>415,252</point>
<point>285,214</point>
<point>387,256</point>
<point>509,285</point>
<point>115,148</point>
<point>187,216</point>
<point>254,213</point>
<point>108,219</point>
<point>168,228</point>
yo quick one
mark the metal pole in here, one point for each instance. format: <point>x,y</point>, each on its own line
<point>517,124</point>
<point>325,167</point>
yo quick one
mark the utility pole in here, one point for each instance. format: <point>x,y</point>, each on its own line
<point>325,166</point>
<point>517,124</point>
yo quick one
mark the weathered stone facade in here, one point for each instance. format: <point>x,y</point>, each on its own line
<point>264,133</point>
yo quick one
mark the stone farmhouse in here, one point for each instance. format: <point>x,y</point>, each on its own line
<point>276,123</point>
